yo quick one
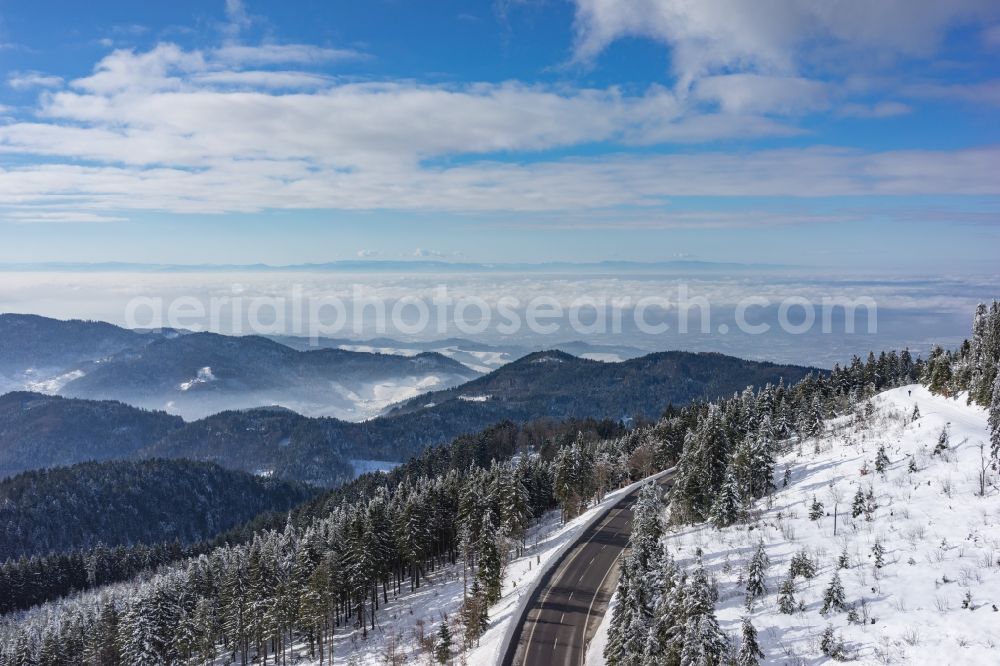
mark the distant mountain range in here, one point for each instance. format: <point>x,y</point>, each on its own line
<point>38,430</point>
<point>480,356</point>
<point>198,374</point>
<point>401,266</point>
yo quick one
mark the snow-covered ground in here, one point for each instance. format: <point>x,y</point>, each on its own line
<point>935,600</point>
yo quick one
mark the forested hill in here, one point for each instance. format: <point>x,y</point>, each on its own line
<point>556,384</point>
<point>199,374</point>
<point>128,502</point>
<point>30,341</point>
<point>38,431</point>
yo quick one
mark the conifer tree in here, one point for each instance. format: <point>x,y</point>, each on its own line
<point>985,354</point>
<point>614,650</point>
<point>830,645</point>
<point>756,575</point>
<point>647,528</point>
<point>858,505</point>
<point>833,596</point>
<point>702,467</point>
<point>801,565</point>
<point>994,421</point>
<point>490,562</point>
<point>937,373</point>
<point>878,552</point>
<point>704,642</point>
<point>750,653</point>
<point>138,635</point>
<point>725,509</point>
<point>815,419</point>
<point>786,596</point>
<point>881,460</point>
<point>783,422</point>
<point>815,509</point>
<point>666,631</point>
<point>942,441</point>
<point>442,649</point>
<point>871,505</point>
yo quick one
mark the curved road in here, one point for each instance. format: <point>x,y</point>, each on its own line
<point>567,608</point>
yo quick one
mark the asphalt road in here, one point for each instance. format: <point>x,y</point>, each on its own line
<point>569,606</point>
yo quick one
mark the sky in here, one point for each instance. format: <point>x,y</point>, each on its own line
<point>847,134</point>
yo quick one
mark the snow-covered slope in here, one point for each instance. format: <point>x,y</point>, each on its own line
<point>934,601</point>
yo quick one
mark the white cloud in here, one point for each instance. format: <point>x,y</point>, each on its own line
<point>124,70</point>
<point>422,253</point>
<point>173,107</point>
<point>24,80</point>
<point>757,93</point>
<point>772,36</point>
<point>57,217</point>
<point>237,17</point>
<point>367,254</point>
<point>548,186</point>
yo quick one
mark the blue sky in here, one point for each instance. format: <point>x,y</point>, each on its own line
<point>841,134</point>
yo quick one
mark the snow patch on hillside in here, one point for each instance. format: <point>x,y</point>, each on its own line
<point>204,376</point>
<point>366,401</point>
<point>548,359</point>
<point>936,598</point>
<point>52,385</point>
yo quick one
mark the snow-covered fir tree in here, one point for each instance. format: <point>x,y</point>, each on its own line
<point>802,566</point>
<point>815,509</point>
<point>786,596</point>
<point>833,595</point>
<point>750,653</point>
<point>704,642</point>
<point>756,574</point>
<point>726,508</point>
<point>994,420</point>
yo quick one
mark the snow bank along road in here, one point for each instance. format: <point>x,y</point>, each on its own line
<point>573,596</point>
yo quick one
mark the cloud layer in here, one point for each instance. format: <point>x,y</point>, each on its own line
<point>242,128</point>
